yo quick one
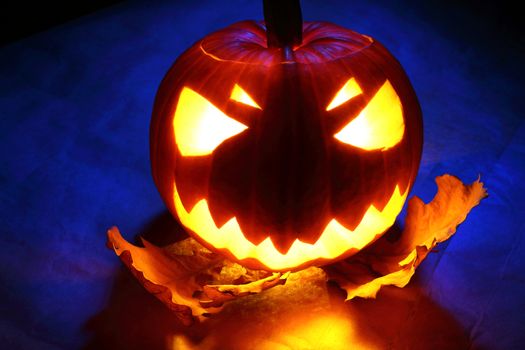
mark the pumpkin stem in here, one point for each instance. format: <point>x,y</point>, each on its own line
<point>284,23</point>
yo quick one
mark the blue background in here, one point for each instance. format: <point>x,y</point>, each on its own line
<point>75,104</point>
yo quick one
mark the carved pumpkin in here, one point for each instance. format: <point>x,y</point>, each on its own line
<point>285,145</point>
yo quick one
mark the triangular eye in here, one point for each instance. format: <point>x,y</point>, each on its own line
<point>200,126</point>
<point>239,95</point>
<point>350,90</point>
<point>380,124</point>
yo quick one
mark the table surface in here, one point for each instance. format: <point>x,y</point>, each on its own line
<point>75,104</point>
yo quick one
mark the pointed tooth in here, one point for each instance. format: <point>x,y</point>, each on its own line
<point>219,213</point>
<point>283,243</point>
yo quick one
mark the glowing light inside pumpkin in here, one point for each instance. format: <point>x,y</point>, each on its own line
<point>334,241</point>
<point>239,95</point>
<point>350,90</point>
<point>200,126</point>
<point>380,124</point>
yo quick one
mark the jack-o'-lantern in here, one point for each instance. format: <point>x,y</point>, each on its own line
<point>283,144</point>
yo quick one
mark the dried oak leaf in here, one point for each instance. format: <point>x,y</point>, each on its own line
<point>218,294</point>
<point>388,262</point>
<point>179,274</point>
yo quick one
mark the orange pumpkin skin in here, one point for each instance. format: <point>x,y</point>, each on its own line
<point>285,176</point>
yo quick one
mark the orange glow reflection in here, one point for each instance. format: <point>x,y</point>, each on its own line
<point>380,124</point>
<point>328,330</point>
<point>334,241</point>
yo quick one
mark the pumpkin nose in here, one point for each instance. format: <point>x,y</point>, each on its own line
<point>275,176</point>
<point>290,183</point>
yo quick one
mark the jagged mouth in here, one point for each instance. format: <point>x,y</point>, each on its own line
<point>335,242</point>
